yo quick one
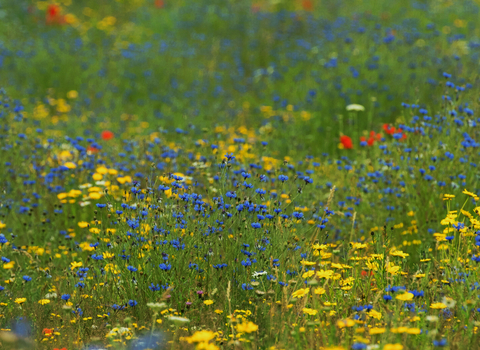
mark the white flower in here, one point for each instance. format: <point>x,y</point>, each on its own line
<point>199,165</point>
<point>51,295</point>
<point>261,273</point>
<point>431,318</point>
<point>355,107</point>
<point>118,331</point>
<point>449,302</point>
<point>157,306</point>
<point>178,319</point>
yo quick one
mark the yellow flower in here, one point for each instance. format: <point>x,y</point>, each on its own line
<point>375,314</point>
<point>308,274</point>
<point>325,274</point>
<point>72,93</point>
<point>414,331</point>
<point>307,263</point>
<point>377,330</point>
<point>310,312</point>
<point>247,327</point>
<point>438,306</point>
<point>471,194</point>
<point>207,346</point>
<point>300,293</point>
<point>62,195</point>
<point>447,197</point>
<point>218,312</point>
<point>399,253</point>
<point>44,301</point>
<point>75,264</point>
<point>399,330</point>
<point>319,291</point>
<point>97,176</point>
<point>393,347</point>
<point>345,323</point>
<point>20,300</point>
<point>208,302</point>
<point>392,268</point>
<point>70,165</point>
<point>405,296</point>
<point>357,245</point>
<point>82,224</point>
<point>200,337</point>
<point>327,303</point>
<point>107,255</point>
<point>9,265</point>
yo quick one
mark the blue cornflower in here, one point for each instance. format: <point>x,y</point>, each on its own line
<point>283,178</point>
<point>307,180</point>
<point>440,343</point>
<point>65,297</point>
<point>131,268</point>
<point>27,278</point>
<point>132,303</point>
<point>260,191</point>
<point>165,267</point>
<point>297,215</point>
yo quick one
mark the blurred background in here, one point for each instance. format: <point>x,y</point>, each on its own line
<point>270,64</point>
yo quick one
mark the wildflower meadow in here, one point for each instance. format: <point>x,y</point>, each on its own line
<point>236,174</point>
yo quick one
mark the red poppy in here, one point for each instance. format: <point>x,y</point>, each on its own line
<point>307,5</point>
<point>366,273</point>
<point>389,129</point>
<point>60,349</point>
<point>107,135</point>
<point>53,15</point>
<point>159,4</point>
<point>47,332</point>
<point>370,141</point>
<point>346,142</point>
<point>92,149</point>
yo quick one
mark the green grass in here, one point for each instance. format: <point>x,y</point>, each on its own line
<point>150,211</point>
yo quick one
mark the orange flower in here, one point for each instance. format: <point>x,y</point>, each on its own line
<point>47,332</point>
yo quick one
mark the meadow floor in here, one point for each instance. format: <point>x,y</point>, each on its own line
<point>239,175</point>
